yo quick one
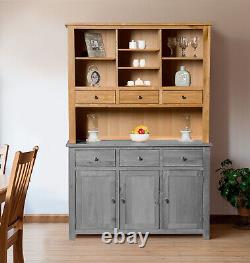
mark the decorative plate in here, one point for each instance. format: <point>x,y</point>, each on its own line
<point>93,76</point>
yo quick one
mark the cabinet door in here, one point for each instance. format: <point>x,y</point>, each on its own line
<point>182,199</point>
<point>95,200</point>
<point>139,200</point>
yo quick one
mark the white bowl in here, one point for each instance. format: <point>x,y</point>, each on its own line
<point>139,137</point>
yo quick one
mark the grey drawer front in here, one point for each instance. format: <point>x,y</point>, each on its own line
<point>97,157</point>
<point>182,157</point>
<point>139,157</point>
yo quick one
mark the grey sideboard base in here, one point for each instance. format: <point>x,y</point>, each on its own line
<point>161,187</point>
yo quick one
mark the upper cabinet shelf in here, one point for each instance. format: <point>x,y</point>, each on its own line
<point>182,58</point>
<point>95,58</point>
<point>139,50</point>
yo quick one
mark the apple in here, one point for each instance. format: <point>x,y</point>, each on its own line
<point>141,131</point>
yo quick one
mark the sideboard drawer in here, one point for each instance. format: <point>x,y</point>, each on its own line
<point>139,158</point>
<point>95,96</point>
<point>134,97</point>
<point>97,157</point>
<point>182,157</point>
<point>182,97</point>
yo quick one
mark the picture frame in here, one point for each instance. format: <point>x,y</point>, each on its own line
<point>94,44</point>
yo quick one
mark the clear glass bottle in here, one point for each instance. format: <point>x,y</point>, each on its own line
<point>182,77</point>
<point>92,128</point>
<point>186,132</point>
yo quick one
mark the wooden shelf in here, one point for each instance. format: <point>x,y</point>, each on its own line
<point>96,58</point>
<point>182,88</point>
<point>182,58</point>
<point>79,105</point>
<point>94,88</point>
<point>139,50</point>
<point>139,68</point>
<point>139,88</point>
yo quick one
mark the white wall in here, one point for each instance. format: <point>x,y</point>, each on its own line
<point>33,81</point>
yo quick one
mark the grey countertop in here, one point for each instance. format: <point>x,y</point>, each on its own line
<point>128,143</point>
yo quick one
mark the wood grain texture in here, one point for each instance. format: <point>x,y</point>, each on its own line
<point>95,96</point>
<point>115,70</point>
<point>49,243</point>
<point>182,97</point>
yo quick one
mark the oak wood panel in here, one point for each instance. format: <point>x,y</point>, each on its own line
<point>139,97</point>
<point>193,97</point>
<point>95,96</point>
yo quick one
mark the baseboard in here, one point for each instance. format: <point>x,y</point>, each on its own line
<point>46,218</point>
<point>64,218</point>
<point>224,219</point>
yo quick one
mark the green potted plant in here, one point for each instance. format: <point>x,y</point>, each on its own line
<point>234,186</point>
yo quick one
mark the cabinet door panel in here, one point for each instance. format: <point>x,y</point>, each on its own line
<point>182,199</point>
<point>95,200</point>
<point>139,200</point>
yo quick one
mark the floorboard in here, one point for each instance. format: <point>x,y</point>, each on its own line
<point>48,243</point>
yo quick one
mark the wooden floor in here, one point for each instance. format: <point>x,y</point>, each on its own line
<point>48,243</point>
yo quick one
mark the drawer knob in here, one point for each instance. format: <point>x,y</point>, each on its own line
<point>184,159</point>
<point>140,158</point>
<point>183,97</point>
<point>96,97</point>
<point>166,200</point>
<point>140,97</point>
<point>123,200</point>
<point>113,200</point>
<point>96,159</point>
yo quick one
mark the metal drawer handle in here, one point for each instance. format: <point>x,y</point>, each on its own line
<point>96,97</point>
<point>113,200</point>
<point>183,97</point>
<point>184,159</point>
<point>140,97</point>
<point>96,159</point>
<point>166,200</point>
<point>123,200</point>
<point>140,158</point>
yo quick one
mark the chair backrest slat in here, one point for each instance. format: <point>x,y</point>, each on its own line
<point>3,157</point>
<point>18,187</point>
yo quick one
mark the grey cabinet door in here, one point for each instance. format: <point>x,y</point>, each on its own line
<point>181,203</point>
<point>139,200</point>
<point>95,200</point>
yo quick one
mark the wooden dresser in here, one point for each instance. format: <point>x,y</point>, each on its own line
<point>160,186</point>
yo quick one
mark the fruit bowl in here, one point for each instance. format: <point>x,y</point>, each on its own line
<point>139,137</point>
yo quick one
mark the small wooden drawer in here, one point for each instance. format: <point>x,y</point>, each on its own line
<point>139,158</point>
<point>182,97</point>
<point>97,157</point>
<point>182,157</point>
<point>95,96</point>
<point>139,97</point>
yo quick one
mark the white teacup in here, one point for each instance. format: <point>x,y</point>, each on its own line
<point>136,63</point>
<point>130,83</point>
<point>142,62</point>
<point>147,82</point>
<point>133,44</point>
<point>141,44</point>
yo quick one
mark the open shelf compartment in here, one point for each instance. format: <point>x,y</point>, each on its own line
<point>117,123</point>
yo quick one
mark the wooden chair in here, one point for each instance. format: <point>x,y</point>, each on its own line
<point>3,157</point>
<point>11,227</point>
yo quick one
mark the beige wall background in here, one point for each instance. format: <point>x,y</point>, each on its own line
<point>33,81</point>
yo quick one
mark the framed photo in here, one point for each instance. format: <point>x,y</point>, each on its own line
<point>93,76</point>
<point>94,44</point>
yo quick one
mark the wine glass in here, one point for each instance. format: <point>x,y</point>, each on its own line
<point>183,44</point>
<point>172,42</point>
<point>194,44</point>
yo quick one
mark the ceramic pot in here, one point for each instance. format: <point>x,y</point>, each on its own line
<point>242,211</point>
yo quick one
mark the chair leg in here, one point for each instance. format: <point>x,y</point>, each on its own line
<point>18,248</point>
<point>3,255</point>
